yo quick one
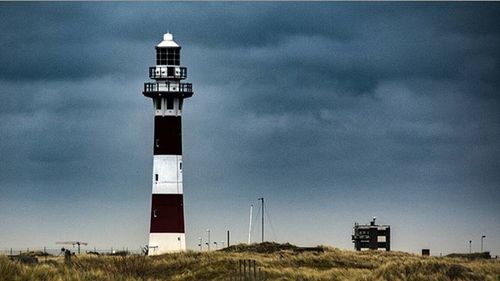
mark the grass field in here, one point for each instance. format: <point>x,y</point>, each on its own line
<point>277,261</point>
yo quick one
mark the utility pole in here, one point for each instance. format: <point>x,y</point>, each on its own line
<point>482,237</point>
<point>228,239</point>
<point>262,199</point>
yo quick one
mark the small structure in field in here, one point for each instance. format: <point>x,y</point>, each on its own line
<point>371,236</point>
<point>426,252</point>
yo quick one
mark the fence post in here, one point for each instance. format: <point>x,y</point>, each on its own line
<point>254,271</point>
<point>245,269</point>
<point>240,275</point>
<point>249,270</point>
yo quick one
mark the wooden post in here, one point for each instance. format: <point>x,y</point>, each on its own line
<point>245,269</point>
<point>254,271</point>
<point>240,275</point>
<point>249,270</point>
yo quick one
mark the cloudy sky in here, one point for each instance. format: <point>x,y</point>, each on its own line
<point>334,112</point>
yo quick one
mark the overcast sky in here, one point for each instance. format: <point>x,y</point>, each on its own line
<point>334,112</point>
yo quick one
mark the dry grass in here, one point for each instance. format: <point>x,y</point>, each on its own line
<point>280,263</point>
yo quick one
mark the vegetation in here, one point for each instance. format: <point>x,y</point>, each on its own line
<point>277,261</point>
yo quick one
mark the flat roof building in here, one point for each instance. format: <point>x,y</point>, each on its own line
<point>371,236</point>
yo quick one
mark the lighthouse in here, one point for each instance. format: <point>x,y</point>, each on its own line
<point>167,233</point>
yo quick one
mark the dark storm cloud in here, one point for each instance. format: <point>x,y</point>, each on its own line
<point>321,39</point>
<point>294,99</point>
<point>283,60</point>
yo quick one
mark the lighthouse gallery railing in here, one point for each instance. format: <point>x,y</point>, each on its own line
<point>165,86</point>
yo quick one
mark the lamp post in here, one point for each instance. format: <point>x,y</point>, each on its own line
<point>208,243</point>
<point>215,243</point>
<point>200,244</point>
<point>262,218</point>
<point>470,246</point>
<point>482,237</point>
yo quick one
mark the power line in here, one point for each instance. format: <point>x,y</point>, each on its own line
<point>266,211</point>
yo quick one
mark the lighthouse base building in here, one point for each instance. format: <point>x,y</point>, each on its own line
<point>167,232</point>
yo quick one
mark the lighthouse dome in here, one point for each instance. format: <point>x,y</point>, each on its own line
<point>168,41</point>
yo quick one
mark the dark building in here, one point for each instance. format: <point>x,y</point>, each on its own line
<point>371,236</point>
<point>426,252</point>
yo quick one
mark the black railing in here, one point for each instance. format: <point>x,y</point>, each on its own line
<point>168,87</point>
<point>167,72</point>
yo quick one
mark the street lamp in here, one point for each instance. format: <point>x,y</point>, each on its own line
<point>215,243</point>
<point>208,243</point>
<point>482,237</point>
<point>470,246</point>
<point>200,244</point>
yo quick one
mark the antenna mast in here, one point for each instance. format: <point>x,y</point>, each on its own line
<point>250,225</point>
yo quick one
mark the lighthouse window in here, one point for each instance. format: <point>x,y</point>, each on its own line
<point>170,103</point>
<point>156,177</point>
<point>158,104</point>
<point>180,103</point>
<point>161,58</point>
<point>170,56</point>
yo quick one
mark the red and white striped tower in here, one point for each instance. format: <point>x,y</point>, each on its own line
<point>168,93</point>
